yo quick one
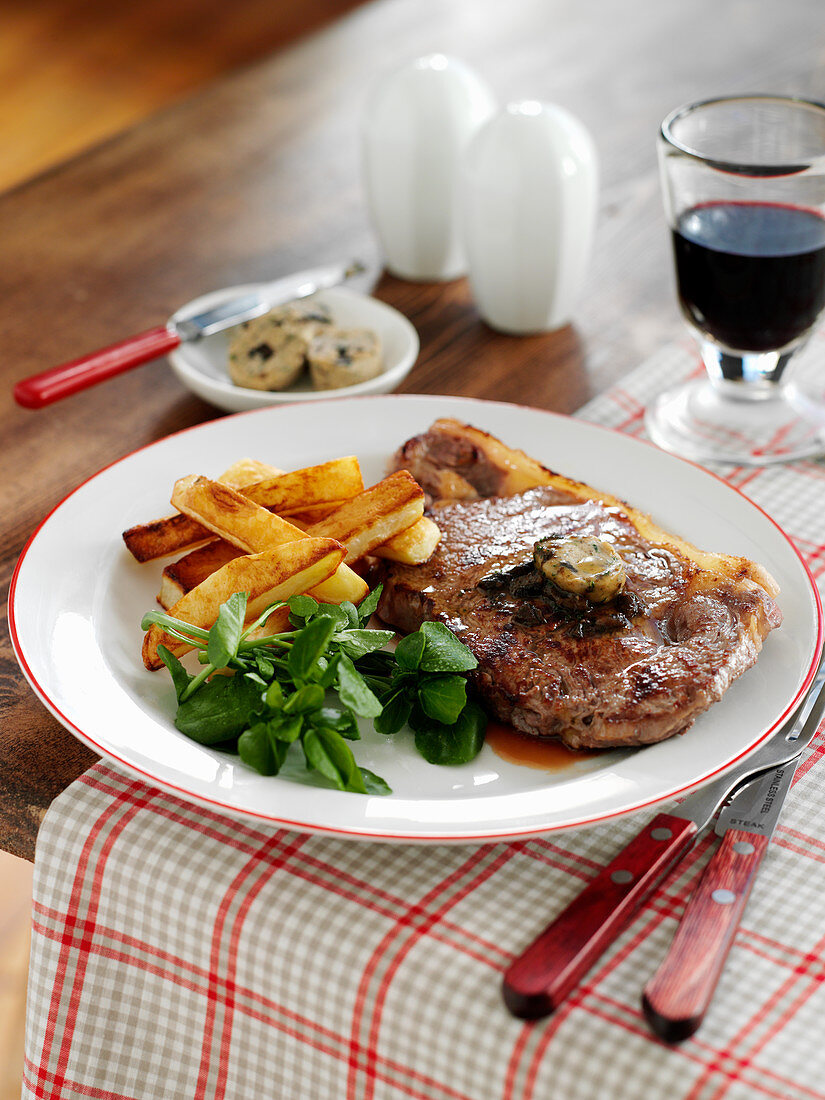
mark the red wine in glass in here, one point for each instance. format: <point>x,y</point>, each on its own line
<point>743,179</point>
<point>751,275</point>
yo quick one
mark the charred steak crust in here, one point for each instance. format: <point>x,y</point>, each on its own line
<point>697,620</point>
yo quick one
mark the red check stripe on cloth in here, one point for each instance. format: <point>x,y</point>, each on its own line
<point>179,953</point>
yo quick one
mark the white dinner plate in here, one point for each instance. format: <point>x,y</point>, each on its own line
<point>77,598</point>
<point>203,365</point>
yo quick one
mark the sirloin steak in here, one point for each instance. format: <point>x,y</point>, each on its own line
<point>631,672</point>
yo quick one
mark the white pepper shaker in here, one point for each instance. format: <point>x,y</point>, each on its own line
<point>529,201</point>
<point>418,124</point>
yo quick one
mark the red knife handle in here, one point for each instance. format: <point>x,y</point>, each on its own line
<point>539,980</point>
<point>58,382</point>
<point>677,996</point>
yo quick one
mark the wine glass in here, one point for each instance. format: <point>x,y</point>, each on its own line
<point>743,179</point>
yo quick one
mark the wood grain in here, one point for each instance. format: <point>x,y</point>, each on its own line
<point>677,997</point>
<point>15,928</point>
<point>74,74</point>
<point>259,175</point>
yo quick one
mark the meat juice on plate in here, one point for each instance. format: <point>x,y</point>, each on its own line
<point>751,275</point>
<point>545,753</point>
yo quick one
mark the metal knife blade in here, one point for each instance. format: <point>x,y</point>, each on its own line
<point>756,805</point>
<point>755,808</point>
<point>783,748</point>
<point>267,296</point>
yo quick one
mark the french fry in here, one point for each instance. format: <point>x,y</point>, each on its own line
<point>310,487</point>
<point>330,481</point>
<point>312,513</point>
<point>248,471</point>
<point>161,537</point>
<point>251,528</point>
<point>181,576</point>
<point>275,574</point>
<point>169,535</point>
<point>413,546</point>
<point>230,515</point>
<point>377,514</point>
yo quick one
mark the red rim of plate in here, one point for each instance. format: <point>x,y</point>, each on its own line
<point>368,834</point>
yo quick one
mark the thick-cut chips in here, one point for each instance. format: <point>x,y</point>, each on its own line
<point>161,537</point>
<point>337,480</point>
<point>254,507</point>
<point>171,534</point>
<point>248,471</point>
<point>377,514</point>
<point>312,513</point>
<point>313,487</point>
<point>251,528</point>
<point>413,546</point>
<point>275,574</point>
<point>181,576</point>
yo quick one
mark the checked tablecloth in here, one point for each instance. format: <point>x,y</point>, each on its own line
<point>180,954</point>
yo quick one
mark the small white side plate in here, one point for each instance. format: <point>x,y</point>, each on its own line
<point>202,364</point>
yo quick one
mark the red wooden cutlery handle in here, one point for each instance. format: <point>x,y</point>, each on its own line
<point>539,980</point>
<point>677,996</point>
<point>58,382</point>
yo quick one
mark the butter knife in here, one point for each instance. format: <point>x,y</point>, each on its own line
<point>79,374</point>
<point>554,964</point>
<point>676,999</point>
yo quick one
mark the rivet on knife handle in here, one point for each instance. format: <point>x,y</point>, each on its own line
<point>676,998</point>
<point>553,965</point>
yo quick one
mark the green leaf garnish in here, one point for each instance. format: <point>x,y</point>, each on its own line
<point>443,697</point>
<point>180,677</point>
<point>309,644</point>
<point>374,784</point>
<point>222,708</point>
<point>358,643</point>
<point>286,728</point>
<point>353,690</point>
<point>303,605</point>
<point>334,612</point>
<point>410,650</point>
<point>443,652</point>
<point>395,714</point>
<point>255,748</point>
<point>225,635</point>
<point>305,699</point>
<point>367,606</point>
<point>330,755</point>
<point>456,744</point>
<point>278,691</point>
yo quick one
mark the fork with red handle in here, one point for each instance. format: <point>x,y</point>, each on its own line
<point>554,964</point>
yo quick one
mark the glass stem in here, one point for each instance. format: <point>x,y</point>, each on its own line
<point>749,375</point>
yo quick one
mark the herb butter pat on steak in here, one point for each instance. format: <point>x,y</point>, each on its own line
<point>629,670</point>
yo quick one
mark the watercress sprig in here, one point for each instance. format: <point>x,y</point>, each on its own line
<point>259,694</point>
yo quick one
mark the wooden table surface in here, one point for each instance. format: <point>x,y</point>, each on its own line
<point>259,176</point>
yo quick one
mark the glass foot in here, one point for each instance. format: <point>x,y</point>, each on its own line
<point>700,421</point>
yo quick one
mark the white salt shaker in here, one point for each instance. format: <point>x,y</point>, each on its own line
<point>418,124</point>
<point>529,200</point>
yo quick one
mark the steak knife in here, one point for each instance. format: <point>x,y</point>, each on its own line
<point>677,997</point>
<point>553,965</point>
<point>79,374</point>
